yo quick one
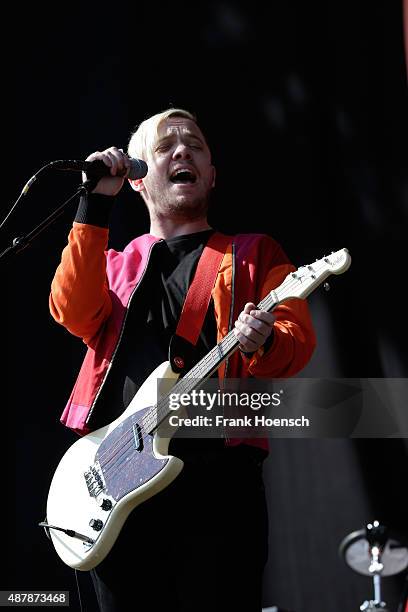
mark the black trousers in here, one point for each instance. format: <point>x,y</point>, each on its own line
<point>199,545</point>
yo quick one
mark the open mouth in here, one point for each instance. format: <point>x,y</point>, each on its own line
<point>183,176</point>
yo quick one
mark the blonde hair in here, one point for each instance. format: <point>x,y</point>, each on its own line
<point>142,140</point>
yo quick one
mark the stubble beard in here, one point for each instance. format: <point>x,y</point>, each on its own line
<point>183,208</point>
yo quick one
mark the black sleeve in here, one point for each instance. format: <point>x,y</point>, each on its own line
<point>95,209</point>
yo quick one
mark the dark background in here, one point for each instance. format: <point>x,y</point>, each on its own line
<point>305,109</point>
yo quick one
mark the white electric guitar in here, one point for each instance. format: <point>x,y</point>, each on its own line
<point>107,473</point>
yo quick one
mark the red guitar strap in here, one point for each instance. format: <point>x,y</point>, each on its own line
<point>198,296</point>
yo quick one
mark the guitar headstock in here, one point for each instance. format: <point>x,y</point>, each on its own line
<point>337,262</point>
<point>306,278</point>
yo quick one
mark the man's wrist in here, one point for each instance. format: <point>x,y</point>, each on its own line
<point>269,341</point>
<point>95,209</point>
<point>265,346</point>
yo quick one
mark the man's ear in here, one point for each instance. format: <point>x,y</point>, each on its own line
<point>137,184</point>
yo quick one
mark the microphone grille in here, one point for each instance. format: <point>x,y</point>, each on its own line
<point>138,168</point>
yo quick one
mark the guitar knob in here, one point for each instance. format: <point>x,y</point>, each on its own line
<point>105,504</point>
<point>96,524</point>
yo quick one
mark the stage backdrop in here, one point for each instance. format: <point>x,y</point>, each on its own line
<point>305,111</point>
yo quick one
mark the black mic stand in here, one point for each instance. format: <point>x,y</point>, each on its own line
<point>21,242</point>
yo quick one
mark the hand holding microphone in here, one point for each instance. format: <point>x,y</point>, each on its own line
<point>104,171</point>
<point>118,166</point>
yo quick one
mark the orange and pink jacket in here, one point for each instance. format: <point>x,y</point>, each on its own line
<point>93,286</point>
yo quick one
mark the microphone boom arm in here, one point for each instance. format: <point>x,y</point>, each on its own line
<point>21,242</point>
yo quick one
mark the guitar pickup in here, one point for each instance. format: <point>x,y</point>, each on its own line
<point>137,437</point>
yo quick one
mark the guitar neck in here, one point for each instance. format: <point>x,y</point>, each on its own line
<point>202,370</point>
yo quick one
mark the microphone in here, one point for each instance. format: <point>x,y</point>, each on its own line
<point>97,169</point>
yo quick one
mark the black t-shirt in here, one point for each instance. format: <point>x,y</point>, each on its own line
<point>151,321</point>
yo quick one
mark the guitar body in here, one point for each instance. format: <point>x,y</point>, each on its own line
<point>109,472</point>
<point>128,468</point>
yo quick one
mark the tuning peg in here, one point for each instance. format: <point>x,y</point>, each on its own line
<point>326,287</point>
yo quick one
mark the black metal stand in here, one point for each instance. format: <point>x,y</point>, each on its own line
<point>21,242</point>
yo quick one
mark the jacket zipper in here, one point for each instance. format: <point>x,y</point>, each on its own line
<point>232,302</point>
<point>227,440</point>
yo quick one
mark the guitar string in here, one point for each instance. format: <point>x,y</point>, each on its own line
<point>155,414</point>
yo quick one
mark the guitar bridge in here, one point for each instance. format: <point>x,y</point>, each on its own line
<point>94,480</point>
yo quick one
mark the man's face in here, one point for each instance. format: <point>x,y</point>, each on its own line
<point>180,174</point>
